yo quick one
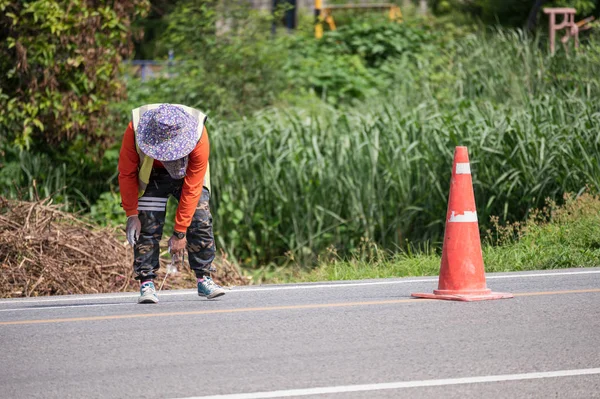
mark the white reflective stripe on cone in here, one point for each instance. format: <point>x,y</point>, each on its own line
<point>463,168</point>
<point>467,216</point>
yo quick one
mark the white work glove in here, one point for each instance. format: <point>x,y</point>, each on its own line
<point>134,226</point>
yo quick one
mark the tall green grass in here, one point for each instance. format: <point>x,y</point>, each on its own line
<point>32,177</point>
<point>553,237</point>
<point>292,183</point>
<point>73,179</point>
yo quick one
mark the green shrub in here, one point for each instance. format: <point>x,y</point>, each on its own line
<point>246,70</point>
<point>347,65</point>
<point>59,63</point>
<point>229,74</point>
<point>376,42</point>
<point>333,78</point>
<point>107,210</point>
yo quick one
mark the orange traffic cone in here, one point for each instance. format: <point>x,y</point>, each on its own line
<point>462,276</point>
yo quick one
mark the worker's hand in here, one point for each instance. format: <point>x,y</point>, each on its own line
<point>134,226</point>
<point>176,245</point>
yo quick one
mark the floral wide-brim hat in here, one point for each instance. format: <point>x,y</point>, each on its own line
<point>167,133</point>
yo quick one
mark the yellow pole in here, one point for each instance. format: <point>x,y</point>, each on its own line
<point>395,14</point>
<point>318,21</point>
<point>330,21</point>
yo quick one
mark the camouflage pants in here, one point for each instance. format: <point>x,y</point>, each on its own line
<point>152,210</point>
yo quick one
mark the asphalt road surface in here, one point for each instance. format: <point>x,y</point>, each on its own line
<point>362,339</point>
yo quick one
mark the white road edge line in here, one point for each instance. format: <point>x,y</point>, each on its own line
<point>290,287</point>
<point>402,385</point>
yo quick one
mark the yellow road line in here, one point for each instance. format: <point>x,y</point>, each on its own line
<point>264,309</point>
<point>203,312</point>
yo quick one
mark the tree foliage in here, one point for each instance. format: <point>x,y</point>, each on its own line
<point>59,62</point>
<point>226,62</point>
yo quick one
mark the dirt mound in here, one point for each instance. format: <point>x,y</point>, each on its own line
<point>44,251</point>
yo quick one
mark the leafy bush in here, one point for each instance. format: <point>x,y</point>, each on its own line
<point>59,67</point>
<point>376,42</point>
<point>333,78</point>
<point>228,74</point>
<point>107,210</point>
<point>261,70</point>
<point>345,65</point>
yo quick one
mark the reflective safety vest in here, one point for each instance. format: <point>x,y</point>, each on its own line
<point>146,162</point>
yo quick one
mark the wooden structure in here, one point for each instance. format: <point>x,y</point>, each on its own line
<point>568,23</point>
<point>325,13</point>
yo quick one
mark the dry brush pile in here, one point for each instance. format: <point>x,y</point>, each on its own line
<point>45,251</point>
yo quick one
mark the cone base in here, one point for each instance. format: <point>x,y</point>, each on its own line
<point>465,297</point>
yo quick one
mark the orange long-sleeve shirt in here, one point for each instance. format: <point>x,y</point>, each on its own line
<point>129,161</point>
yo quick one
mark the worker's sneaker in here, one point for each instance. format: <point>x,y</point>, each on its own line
<point>147,293</point>
<point>208,288</point>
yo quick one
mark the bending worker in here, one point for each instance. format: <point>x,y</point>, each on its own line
<point>165,152</point>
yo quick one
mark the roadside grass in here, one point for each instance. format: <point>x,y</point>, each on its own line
<point>553,237</point>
